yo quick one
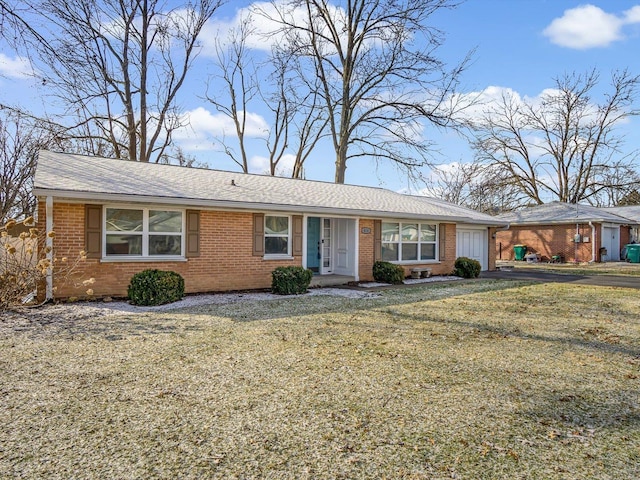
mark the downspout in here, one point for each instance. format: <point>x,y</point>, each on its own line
<point>49,248</point>
<point>593,242</point>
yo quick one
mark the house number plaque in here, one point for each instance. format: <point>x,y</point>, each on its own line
<point>365,230</point>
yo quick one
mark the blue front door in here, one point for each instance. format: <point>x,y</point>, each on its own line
<point>313,244</point>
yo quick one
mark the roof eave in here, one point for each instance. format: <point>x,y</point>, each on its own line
<point>515,223</point>
<point>249,206</point>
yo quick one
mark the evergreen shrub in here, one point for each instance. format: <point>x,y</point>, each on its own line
<point>155,287</point>
<point>467,267</point>
<point>290,280</point>
<point>388,273</point>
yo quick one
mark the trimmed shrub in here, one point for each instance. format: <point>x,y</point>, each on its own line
<point>467,267</point>
<point>388,273</point>
<point>290,280</point>
<point>155,287</point>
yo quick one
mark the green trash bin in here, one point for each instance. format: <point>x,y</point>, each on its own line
<point>633,252</point>
<point>520,251</point>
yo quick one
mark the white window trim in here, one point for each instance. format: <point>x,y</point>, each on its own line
<point>144,257</point>
<point>278,256</point>
<point>419,243</point>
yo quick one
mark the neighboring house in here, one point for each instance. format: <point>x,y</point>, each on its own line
<point>632,213</point>
<point>576,233</point>
<point>228,231</point>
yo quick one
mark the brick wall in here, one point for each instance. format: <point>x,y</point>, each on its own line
<point>444,267</point>
<point>447,265</point>
<point>225,262</point>
<point>625,235</point>
<point>491,247</point>
<point>548,240</point>
<point>366,251</point>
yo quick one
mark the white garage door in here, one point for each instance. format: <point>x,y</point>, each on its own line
<point>611,243</point>
<point>472,244</point>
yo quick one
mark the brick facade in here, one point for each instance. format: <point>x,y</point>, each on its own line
<point>225,262</point>
<point>366,250</point>
<point>550,240</point>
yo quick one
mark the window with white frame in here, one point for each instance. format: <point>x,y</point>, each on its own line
<point>143,232</point>
<point>408,242</point>
<point>277,231</point>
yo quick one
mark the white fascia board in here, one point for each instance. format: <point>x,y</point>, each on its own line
<point>88,197</point>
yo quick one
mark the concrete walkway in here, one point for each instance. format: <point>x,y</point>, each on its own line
<point>599,280</point>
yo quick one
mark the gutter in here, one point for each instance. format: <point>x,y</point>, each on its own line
<point>77,196</point>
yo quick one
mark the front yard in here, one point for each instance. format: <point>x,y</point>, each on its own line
<point>598,268</point>
<point>470,380</point>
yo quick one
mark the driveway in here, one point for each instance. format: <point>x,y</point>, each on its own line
<point>600,280</point>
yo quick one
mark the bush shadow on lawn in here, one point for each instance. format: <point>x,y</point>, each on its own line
<point>292,306</point>
<point>494,331</point>
<point>193,319</point>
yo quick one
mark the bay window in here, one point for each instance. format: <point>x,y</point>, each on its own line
<point>408,242</point>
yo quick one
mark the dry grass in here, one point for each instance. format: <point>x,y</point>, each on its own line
<point>472,380</point>
<point>604,268</point>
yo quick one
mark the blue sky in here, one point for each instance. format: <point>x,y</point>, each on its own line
<point>519,45</point>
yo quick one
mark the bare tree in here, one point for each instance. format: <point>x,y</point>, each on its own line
<point>237,73</point>
<point>379,76</point>
<point>299,116</point>
<point>564,147</point>
<point>631,198</point>
<point>117,66</point>
<point>617,186</point>
<point>14,26</point>
<point>21,137</point>
<point>296,119</point>
<point>473,185</point>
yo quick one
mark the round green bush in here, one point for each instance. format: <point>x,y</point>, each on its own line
<point>290,280</point>
<point>155,287</point>
<point>467,267</point>
<point>388,273</point>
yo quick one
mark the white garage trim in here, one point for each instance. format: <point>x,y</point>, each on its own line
<point>473,243</point>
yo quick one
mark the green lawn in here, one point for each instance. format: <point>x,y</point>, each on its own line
<point>470,380</point>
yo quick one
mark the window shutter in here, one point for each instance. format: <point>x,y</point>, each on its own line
<point>193,233</point>
<point>258,234</point>
<point>377,240</point>
<point>297,235</point>
<point>442,229</point>
<point>93,230</point>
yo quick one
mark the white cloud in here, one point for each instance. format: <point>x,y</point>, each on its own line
<point>474,106</point>
<point>264,32</point>
<point>632,15</point>
<point>18,67</point>
<point>588,26</point>
<point>261,19</point>
<point>202,127</point>
<point>258,164</point>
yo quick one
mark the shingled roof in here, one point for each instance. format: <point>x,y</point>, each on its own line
<point>96,179</point>
<point>561,212</point>
<point>631,212</point>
